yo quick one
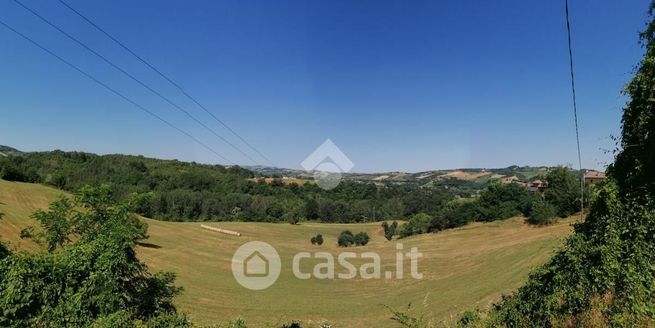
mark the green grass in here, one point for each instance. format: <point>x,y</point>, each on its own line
<point>463,269</point>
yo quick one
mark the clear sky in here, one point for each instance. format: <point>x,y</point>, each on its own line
<point>397,85</point>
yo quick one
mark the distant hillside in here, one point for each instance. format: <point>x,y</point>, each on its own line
<point>6,150</point>
<point>182,191</point>
<point>466,180</point>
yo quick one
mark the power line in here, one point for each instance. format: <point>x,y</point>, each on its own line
<point>106,60</point>
<point>575,105</point>
<point>164,76</point>
<point>114,91</point>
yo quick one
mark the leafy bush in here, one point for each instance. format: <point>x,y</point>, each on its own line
<point>468,319</point>
<point>361,239</point>
<point>389,230</point>
<point>419,223</point>
<point>346,239</point>
<point>237,323</point>
<point>406,319</point>
<point>4,252</point>
<point>317,240</point>
<point>542,213</point>
<point>502,201</point>
<point>455,214</point>
<point>563,191</point>
<point>293,324</point>
<point>97,272</point>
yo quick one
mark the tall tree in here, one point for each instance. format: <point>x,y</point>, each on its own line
<point>563,191</point>
<point>634,167</point>
<point>94,278</point>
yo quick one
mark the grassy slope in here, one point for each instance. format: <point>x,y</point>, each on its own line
<point>463,268</point>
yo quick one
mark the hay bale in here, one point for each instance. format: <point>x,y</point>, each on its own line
<point>227,232</point>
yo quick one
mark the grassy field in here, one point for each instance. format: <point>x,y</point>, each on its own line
<point>463,269</point>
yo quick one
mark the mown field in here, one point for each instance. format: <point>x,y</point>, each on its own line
<point>464,268</point>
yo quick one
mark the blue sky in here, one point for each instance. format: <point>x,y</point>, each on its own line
<point>397,85</point>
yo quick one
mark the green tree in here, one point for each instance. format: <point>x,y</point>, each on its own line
<point>542,213</point>
<point>94,279</point>
<point>563,191</point>
<point>500,201</point>
<point>319,239</point>
<point>57,223</point>
<point>417,224</point>
<point>634,167</point>
<point>361,239</point>
<point>346,238</point>
<point>389,229</point>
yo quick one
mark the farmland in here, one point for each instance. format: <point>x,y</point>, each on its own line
<point>463,268</point>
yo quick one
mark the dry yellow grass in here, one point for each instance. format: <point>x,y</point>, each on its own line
<point>466,175</point>
<point>463,269</point>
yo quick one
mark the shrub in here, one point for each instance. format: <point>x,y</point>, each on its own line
<point>389,230</point>
<point>419,223</point>
<point>293,324</point>
<point>468,319</point>
<point>542,213</point>
<point>4,252</point>
<point>502,201</point>
<point>361,239</point>
<point>237,323</point>
<point>317,240</point>
<point>563,191</point>
<point>346,239</point>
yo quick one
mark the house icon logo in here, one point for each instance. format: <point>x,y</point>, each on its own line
<point>327,163</point>
<point>256,265</point>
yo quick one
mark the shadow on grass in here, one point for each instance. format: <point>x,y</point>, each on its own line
<point>148,245</point>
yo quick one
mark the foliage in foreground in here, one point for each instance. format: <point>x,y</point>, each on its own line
<point>4,252</point>
<point>95,280</point>
<point>604,276</point>
<point>604,268</point>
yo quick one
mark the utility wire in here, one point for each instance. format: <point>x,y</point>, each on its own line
<point>575,105</point>
<point>164,76</point>
<point>114,91</point>
<point>187,113</point>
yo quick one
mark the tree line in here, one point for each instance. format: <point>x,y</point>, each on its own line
<point>179,191</point>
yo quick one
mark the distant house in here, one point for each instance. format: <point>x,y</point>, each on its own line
<point>594,177</point>
<point>508,180</point>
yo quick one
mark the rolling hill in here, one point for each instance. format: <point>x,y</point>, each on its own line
<point>464,268</point>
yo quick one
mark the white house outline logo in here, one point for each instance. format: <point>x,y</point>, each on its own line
<point>256,265</point>
<point>327,162</point>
